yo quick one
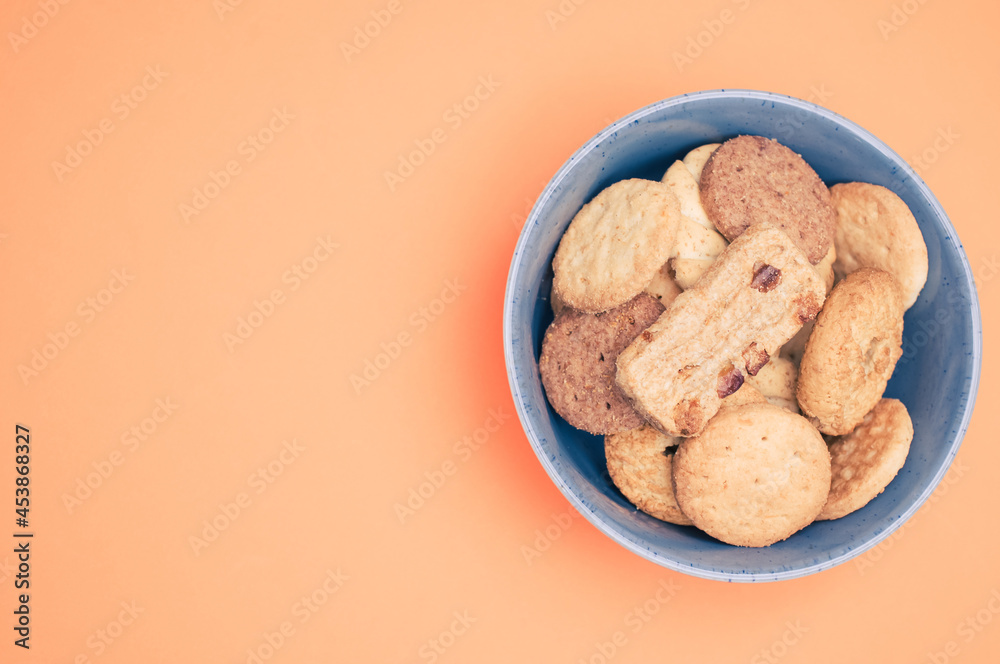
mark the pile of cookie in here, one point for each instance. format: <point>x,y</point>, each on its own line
<point>730,331</point>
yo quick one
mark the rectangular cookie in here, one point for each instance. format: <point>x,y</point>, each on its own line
<point>753,298</point>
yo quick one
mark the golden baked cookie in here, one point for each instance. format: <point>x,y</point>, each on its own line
<point>697,158</point>
<point>577,364</point>
<point>750,179</point>
<point>875,228</point>
<point>867,459</point>
<point>615,244</point>
<point>852,351</point>
<point>754,476</point>
<point>755,296</point>
<point>639,463</point>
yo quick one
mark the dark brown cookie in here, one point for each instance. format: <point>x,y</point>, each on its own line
<point>751,179</point>
<point>578,364</point>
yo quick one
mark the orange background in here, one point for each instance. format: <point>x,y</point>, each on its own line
<point>492,543</point>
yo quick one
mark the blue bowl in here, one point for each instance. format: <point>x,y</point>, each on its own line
<point>936,378</point>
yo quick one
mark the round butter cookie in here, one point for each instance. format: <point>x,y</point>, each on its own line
<point>852,351</point>
<point>875,228</point>
<point>639,463</point>
<point>867,459</point>
<point>577,364</point>
<point>615,244</point>
<point>750,179</point>
<point>754,476</point>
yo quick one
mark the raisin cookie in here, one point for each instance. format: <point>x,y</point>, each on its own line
<point>752,300</point>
